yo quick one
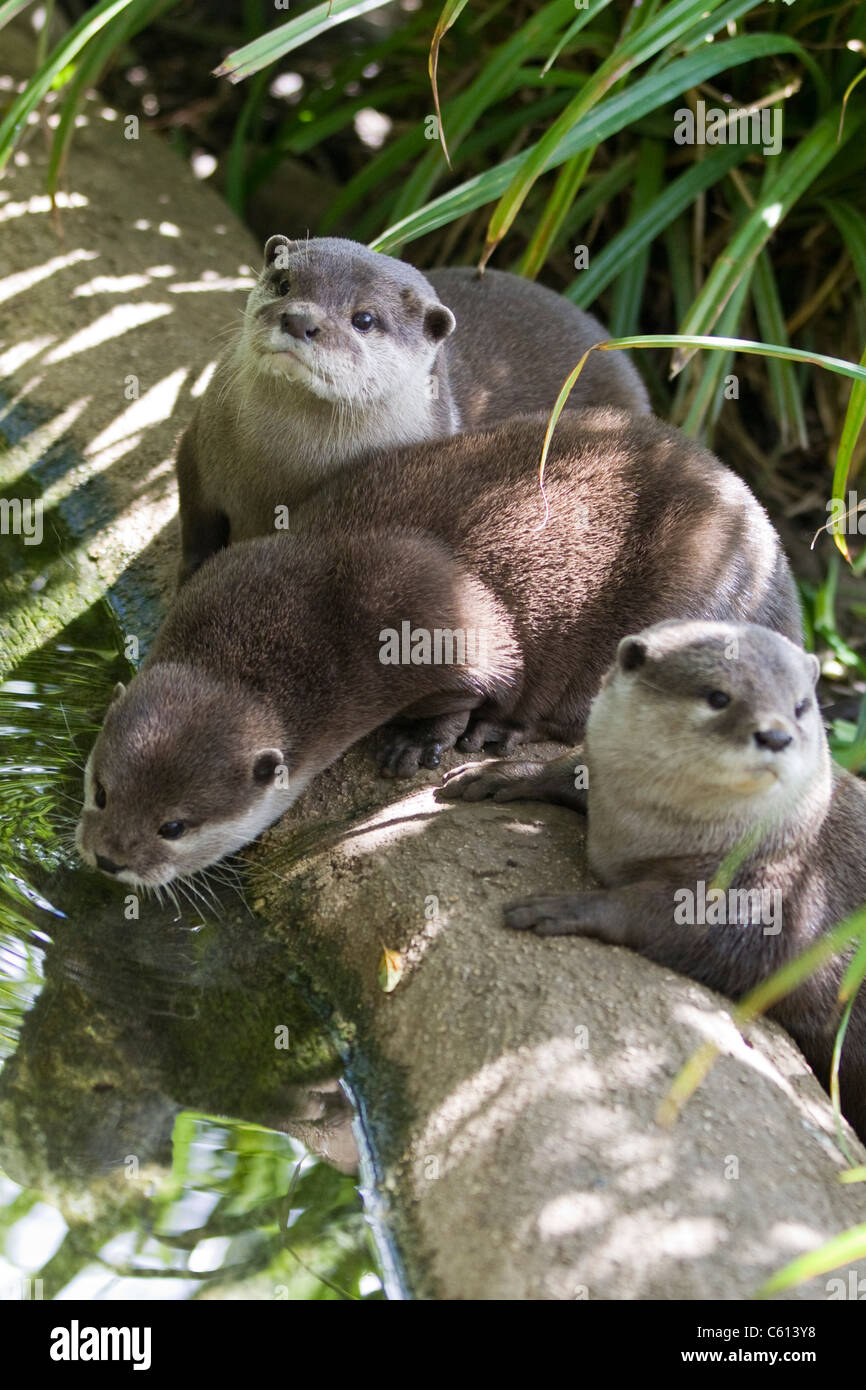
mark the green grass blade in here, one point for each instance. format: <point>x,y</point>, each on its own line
<point>497,80</point>
<point>697,340</point>
<point>783,379</point>
<point>852,227</point>
<point>843,1249</point>
<point>89,25</point>
<point>451,12</point>
<point>608,118</point>
<point>243,62</point>
<point>624,315</point>
<point>572,32</point>
<point>11,9</point>
<point>94,58</point>
<point>708,398</point>
<point>556,209</point>
<point>675,340</point>
<point>845,99</point>
<point>639,234</point>
<point>669,26</point>
<point>791,179</point>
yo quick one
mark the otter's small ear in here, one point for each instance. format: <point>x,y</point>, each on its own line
<point>118,692</point>
<point>438,322</point>
<point>265,765</point>
<point>277,252</point>
<point>631,653</point>
<point>814,667</point>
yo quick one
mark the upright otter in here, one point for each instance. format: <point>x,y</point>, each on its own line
<point>344,351</point>
<point>705,745</point>
<point>283,651</point>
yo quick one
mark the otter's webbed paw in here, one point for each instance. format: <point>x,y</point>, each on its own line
<point>498,779</point>
<point>592,914</point>
<point>407,744</point>
<point>484,732</point>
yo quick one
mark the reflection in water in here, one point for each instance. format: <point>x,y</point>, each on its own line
<point>127,1030</point>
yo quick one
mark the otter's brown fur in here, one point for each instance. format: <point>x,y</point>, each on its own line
<point>449,536</point>
<point>286,405</point>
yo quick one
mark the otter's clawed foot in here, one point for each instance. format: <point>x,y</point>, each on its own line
<point>573,914</point>
<point>484,732</point>
<point>407,744</point>
<point>498,779</point>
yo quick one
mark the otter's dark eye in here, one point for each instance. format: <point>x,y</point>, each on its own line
<point>99,795</point>
<point>172,829</point>
<point>800,709</point>
<point>283,288</point>
<point>362,321</point>
<point>717,699</point>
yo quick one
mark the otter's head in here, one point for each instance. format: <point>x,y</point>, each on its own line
<point>186,769</point>
<point>345,323</point>
<point>718,720</point>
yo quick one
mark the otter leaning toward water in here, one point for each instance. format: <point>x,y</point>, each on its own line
<point>283,651</point>
<point>727,838</point>
<point>344,351</point>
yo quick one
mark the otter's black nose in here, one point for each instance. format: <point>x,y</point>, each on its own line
<point>774,739</point>
<point>108,866</point>
<point>299,326</point>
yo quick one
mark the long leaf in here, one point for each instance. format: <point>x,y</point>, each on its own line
<point>656,340</point>
<point>642,232</point>
<point>669,26</point>
<point>628,296</point>
<point>11,9</point>
<point>94,58</point>
<point>783,378</point>
<point>843,1249</point>
<point>90,23</point>
<point>243,62</point>
<point>609,117</point>
<point>792,177</point>
<point>498,79</point>
<point>852,226</point>
<point>709,397</point>
<point>450,13</point>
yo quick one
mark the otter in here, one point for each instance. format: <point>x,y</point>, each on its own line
<point>344,351</point>
<point>726,837</point>
<point>281,652</point>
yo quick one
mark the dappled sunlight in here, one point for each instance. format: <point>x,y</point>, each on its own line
<point>210,281</point>
<point>469,1120</point>
<point>36,444</point>
<point>400,819</point>
<point>201,382</point>
<point>126,430</point>
<point>26,279</point>
<point>110,284</point>
<point>16,357</point>
<point>111,325</point>
<point>39,203</point>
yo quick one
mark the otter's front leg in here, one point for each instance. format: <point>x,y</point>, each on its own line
<point>562,781</point>
<point>641,917</point>
<point>203,529</point>
<point>203,534</point>
<point>407,744</point>
<point>599,914</point>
